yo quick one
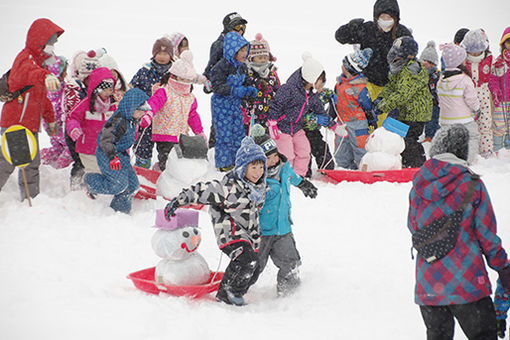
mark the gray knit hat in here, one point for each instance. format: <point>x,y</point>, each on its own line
<point>429,53</point>
<point>452,139</point>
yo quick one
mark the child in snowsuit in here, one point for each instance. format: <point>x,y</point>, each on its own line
<point>479,65</point>
<point>179,112</point>
<point>74,91</point>
<point>145,79</point>
<point>58,155</point>
<point>353,105</point>
<point>28,108</point>
<point>408,94</point>
<point>235,202</point>
<point>229,83</point>
<point>458,101</point>
<point>117,176</point>
<point>261,75</point>
<point>499,84</point>
<point>88,118</point>
<point>429,60</point>
<point>288,108</point>
<point>275,220</point>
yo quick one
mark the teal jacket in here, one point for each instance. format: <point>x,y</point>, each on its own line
<point>275,214</point>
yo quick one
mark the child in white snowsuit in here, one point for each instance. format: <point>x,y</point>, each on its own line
<point>235,202</point>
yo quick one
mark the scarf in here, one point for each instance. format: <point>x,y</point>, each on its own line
<point>160,68</point>
<point>101,106</point>
<point>396,66</point>
<point>262,69</point>
<point>257,190</point>
<point>475,59</point>
<point>180,87</point>
<point>274,171</point>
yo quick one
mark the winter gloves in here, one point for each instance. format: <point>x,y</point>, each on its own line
<point>207,86</point>
<point>272,126</point>
<point>308,189</point>
<point>323,119</point>
<point>146,120</point>
<point>244,91</point>
<point>75,134</point>
<point>171,208</point>
<point>52,83</point>
<point>477,114</point>
<point>51,128</point>
<point>115,164</point>
<point>340,130</point>
<point>501,327</point>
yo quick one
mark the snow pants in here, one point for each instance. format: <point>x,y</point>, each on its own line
<point>164,149</point>
<point>352,148</point>
<point>122,183</point>
<point>31,172</point>
<point>242,271</point>
<point>58,155</point>
<point>228,125</point>
<point>432,126</point>
<point>77,169</point>
<point>501,119</point>
<point>486,139</point>
<point>297,150</point>
<point>320,151</point>
<point>144,144</point>
<point>477,320</point>
<point>285,256</point>
<point>413,155</point>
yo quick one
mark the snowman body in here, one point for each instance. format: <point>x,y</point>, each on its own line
<point>383,151</point>
<point>181,264</point>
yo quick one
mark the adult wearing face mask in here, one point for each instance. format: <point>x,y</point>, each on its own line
<point>377,35</point>
<point>27,109</point>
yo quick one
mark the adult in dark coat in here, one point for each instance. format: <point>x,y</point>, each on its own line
<point>378,35</point>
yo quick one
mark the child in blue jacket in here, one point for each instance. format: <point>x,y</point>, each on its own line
<point>228,78</point>
<point>275,222</point>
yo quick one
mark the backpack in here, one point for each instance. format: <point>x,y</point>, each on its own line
<point>5,94</point>
<point>435,240</point>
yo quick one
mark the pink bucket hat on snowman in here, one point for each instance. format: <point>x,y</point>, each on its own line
<point>183,218</point>
<point>453,55</point>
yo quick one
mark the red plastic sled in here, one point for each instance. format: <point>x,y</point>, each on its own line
<point>148,188</point>
<point>144,280</point>
<point>398,176</point>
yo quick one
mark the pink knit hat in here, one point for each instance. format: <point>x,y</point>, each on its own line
<point>260,46</point>
<point>183,67</point>
<point>453,55</point>
<point>176,39</point>
<point>183,218</point>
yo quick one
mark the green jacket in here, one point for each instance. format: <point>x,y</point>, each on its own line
<point>408,92</point>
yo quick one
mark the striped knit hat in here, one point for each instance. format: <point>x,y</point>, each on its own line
<point>259,46</point>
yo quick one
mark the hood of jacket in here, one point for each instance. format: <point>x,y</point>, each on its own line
<point>38,35</point>
<point>437,178</point>
<point>387,6</point>
<point>97,76</point>
<point>296,80</point>
<point>131,101</point>
<point>232,44</point>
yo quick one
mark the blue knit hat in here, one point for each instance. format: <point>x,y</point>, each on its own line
<point>357,61</point>
<point>403,47</point>
<point>248,152</point>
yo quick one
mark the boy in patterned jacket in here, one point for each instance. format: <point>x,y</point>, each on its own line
<point>235,202</point>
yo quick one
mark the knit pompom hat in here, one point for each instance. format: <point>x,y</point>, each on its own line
<point>429,53</point>
<point>311,69</point>
<point>452,139</point>
<point>475,41</point>
<point>176,38</point>
<point>183,67</point>
<point>357,61</point>
<point>260,46</point>
<point>262,139</point>
<point>453,55</point>
<point>162,45</point>
<point>248,152</point>
<point>90,62</point>
<point>403,47</point>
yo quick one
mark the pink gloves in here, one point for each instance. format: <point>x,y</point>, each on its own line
<point>115,164</point>
<point>272,126</point>
<point>205,137</point>
<point>146,120</point>
<point>75,134</point>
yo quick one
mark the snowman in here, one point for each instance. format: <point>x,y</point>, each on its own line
<point>187,164</point>
<point>384,147</point>
<point>176,242</point>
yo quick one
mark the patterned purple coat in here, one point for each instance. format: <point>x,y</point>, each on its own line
<point>461,276</point>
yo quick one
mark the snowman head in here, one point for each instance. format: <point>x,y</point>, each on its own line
<point>178,238</point>
<point>389,138</point>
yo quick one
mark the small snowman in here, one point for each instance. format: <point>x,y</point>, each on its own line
<point>176,242</point>
<point>384,147</point>
<point>187,164</point>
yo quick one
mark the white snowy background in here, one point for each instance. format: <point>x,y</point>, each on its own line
<point>63,262</point>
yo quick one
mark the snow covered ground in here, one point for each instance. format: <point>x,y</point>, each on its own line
<point>64,261</point>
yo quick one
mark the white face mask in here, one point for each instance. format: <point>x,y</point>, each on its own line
<point>385,25</point>
<point>49,49</point>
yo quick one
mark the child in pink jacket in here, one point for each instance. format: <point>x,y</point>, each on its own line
<point>458,101</point>
<point>179,112</point>
<point>87,118</point>
<point>499,85</point>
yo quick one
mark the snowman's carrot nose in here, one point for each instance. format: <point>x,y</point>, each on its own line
<point>195,240</point>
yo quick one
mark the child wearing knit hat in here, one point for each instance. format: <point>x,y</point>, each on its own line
<point>458,101</point>
<point>479,64</point>
<point>179,108</point>
<point>180,43</point>
<point>429,60</point>
<point>261,75</point>
<point>277,238</point>
<point>149,75</point>
<point>499,85</point>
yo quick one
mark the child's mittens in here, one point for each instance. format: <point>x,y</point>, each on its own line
<point>51,128</point>
<point>115,164</point>
<point>207,86</point>
<point>272,126</point>
<point>340,130</point>
<point>146,120</point>
<point>477,114</point>
<point>323,119</point>
<point>496,101</point>
<point>501,327</point>
<point>308,189</point>
<point>170,209</point>
<point>75,134</point>
<point>201,79</point>
<point>52,83</point>
<point>252,92</point>
<point>204,137</point>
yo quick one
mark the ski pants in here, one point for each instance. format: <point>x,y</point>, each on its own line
<point>432,126</point>
<point>297,150</point>
<point>77,169</point>
<point>477,320</point>
<point>144,143</point>
<point>413,155</point>
<point>320,151</point>
<point>501,119</point>
<point>243,269</point>
<point>164,149</point>
<point>352,148</point>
